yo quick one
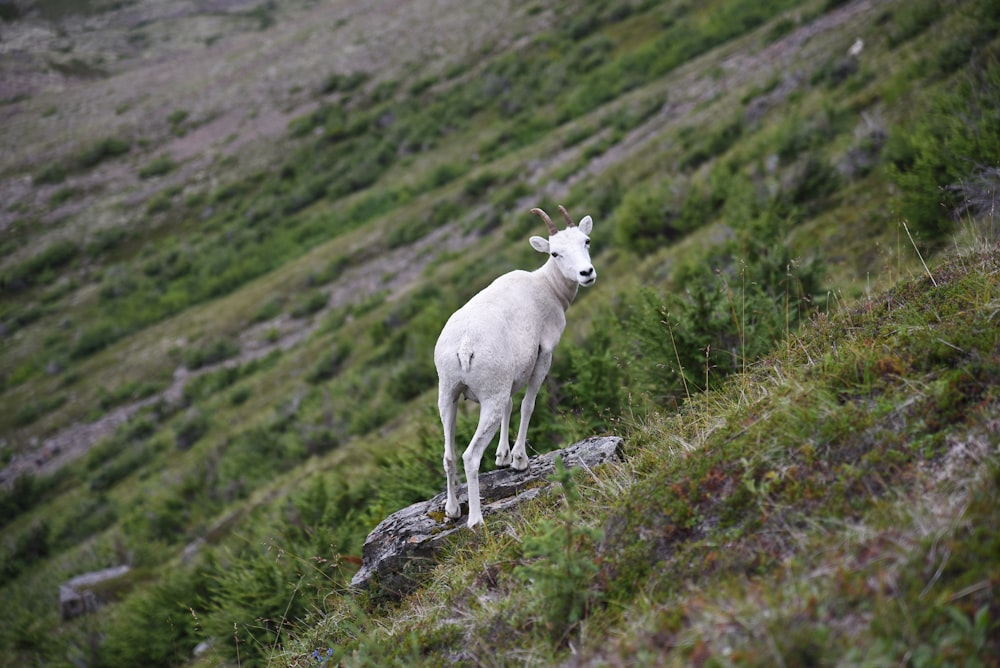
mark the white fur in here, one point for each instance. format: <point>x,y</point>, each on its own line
<point>501,341</point>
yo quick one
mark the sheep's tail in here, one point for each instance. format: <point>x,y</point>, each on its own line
<point>465,354</point>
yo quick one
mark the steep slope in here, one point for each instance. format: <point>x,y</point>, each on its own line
<point>232,231</point>
<point>835,504</point>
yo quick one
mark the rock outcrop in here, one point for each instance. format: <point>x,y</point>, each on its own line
<point>404,544</point>
<point>79,596</point>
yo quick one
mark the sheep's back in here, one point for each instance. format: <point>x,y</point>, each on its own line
<point>505,325</point>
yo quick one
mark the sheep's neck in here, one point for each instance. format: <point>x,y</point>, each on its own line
<point>564,290</point>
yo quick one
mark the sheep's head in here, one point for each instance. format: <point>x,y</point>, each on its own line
<point>569,248</point>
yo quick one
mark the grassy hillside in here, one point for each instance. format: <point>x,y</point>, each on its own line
<point>230,236</point>
<point>837,503</point>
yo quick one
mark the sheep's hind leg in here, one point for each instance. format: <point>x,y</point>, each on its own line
<point>519,458</point>
<point>449,407</point>
<point>503,448</point>
<point>489,419</point>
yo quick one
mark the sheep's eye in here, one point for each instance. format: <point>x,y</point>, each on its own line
<point>587,242</point>
<point>555,255</point>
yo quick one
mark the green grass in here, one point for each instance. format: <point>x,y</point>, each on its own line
<point>780,514</point>
<point>794,392</point>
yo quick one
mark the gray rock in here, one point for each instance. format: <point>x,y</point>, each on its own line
<point>78,596</point>
<point>404,544</point>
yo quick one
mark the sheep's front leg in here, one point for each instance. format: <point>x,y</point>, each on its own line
<point>503,448</point>
<point>489,419</point>
<point>448,407</point>
<point>519,459</point>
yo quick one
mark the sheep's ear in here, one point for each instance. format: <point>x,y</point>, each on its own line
<point>586,225</point>
<point>539,244</point>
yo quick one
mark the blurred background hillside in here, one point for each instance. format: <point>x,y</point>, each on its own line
<point>231,230</point>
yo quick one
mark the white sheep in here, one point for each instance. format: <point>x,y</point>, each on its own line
<point>501,341</point>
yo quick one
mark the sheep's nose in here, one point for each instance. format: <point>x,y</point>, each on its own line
<point>586,273</point>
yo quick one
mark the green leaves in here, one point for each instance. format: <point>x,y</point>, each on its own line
<point>563,563</point>
<point>946,163</point>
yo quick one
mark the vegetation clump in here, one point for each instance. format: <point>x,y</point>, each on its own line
<point>224,379</point>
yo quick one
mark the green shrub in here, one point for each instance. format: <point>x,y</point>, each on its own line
<point>163,200</point>
<point>911,19</point>
<point>329,364</point>
<point>190,430</point>
<point>52,174</point>
<point>159,166</point>
<point>811,180</point>
<point>212,353</point>
<point>310,304</point>
<point>106,149</point>
<point>259,592</point>
<point>106,240</point>
<point>40,269</point>
<point>562,563</point>
<point>647,218</point>
<point>30,546</point>
<point>31,411</point>
<point>596,384</point>
<point>240,396</point>
<point>95,338</point>
<point>24,494</point>
<point>413,379</point>
<point>372,415</point>
<point>476,186</point>
<point>343,83</point>
<point>443,175</point>
<point>270,309</point>
<point>86,158</point>
<point>209,384</point>
<point>116,470</point>
<point>176,120</point>
<point>256,455</point>
<point>131,391</point>
<point>93,514</point>
<point>735,306</point>
<point>63,195</point>
<point>943,162</point>
<point>443,211</point>
<point>157,626</point>
<point>712,144</point>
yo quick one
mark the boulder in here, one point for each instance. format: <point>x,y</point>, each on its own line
<point>80,595</point>
<point>404,544</point>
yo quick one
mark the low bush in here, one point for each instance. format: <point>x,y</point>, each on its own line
<point>40,269</point>
<point>211,353</point>
<point>106,240</point>
<point>158,167</point>
<point>156,627</point>
<point>28,547</point>
<point>343,83</point>
<point>95,154</point>
<point>941,162</point>
<point>736,305</point>
<point>329,364</point>
<point>24,494</point>
<point>95,338</point>
<point>561,563</point>
<point>310,304</point>
<point>190,429</point>
<point>653,215</point>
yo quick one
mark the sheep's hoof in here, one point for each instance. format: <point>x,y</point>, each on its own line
<point>503,461</point>
<point>519,463</point>
<point>475,521</point>
<point>454,512</point>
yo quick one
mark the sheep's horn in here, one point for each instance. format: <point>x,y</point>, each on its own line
<point>548,221</point>
<point>565,213</point>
